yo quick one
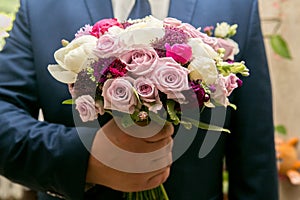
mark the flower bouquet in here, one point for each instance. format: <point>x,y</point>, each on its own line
<point>146,69</point>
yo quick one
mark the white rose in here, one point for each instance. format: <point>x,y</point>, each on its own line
<point>200,49</point>
<point>147,22</point>
<point>204,69</point>
<point>73,58</point>
<point>142,32</point>
<point>222,30</point>
<point>114,31</point>
<point>142,36</point>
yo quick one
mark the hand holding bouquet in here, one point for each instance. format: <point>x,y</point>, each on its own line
<point>144,70</point>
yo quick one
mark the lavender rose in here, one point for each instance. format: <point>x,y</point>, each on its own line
<point>230,46</point>
<point>211,41</point>
<point>140,61</point>
<point>148,93</point>
<point>85,105</point>
<point>108,46</point>
<point>191,30</point>
<point>173,22</point>
<point>118,95</point>
<point>171,78</point>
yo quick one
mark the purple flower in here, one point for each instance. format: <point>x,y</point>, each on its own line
<point>84,31</point>
<point>172,36</point>
<point>197,95</point>
<point>83,85</point>
<point>239,82</point>
<point>108,68</point>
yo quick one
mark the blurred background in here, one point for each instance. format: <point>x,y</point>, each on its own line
<point>281,27</point>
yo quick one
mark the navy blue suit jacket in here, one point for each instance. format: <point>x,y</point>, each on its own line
<point>50,156</point>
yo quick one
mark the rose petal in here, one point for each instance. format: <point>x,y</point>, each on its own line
<point>61,74</point>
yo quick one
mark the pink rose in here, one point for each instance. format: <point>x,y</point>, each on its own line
<point>148,93</point>
<point>191,31</point>
<point>85,105</point>
<point>181,53</point>
<point>169,21</point>
<point>108,46</point>
<point>211,41</point>
<point>102,26</point>
<point>224,87</point>
<point>220,94</point>
<point>171,78</point>
<point>231,48</point>
<point>119,95</point>
<point>231,82</point>
<point>140,61</point>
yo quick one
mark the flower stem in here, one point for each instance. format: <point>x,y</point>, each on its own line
<point>164,191</point>
<point>158,193</point>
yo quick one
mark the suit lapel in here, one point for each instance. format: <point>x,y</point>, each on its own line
<point>182,10</point>
<point>99,9</point>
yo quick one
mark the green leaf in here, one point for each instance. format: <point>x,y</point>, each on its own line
<point>172,112</point>
<point>280,46</point>
<point>137,95</point>
<point>206,126</point>
<point>155,117</point>
<point>68,102</point>
<point>187,125</point>
<point>233,106</point>
<point>280,129</point>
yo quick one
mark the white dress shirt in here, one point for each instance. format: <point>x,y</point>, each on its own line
<point>122,8</point>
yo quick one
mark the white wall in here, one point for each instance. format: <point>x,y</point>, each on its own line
<point>285,74</point>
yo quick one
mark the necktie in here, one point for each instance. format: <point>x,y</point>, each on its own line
<point>140,9</point>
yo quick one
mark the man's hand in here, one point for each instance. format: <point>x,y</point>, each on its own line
<point>126,163</point>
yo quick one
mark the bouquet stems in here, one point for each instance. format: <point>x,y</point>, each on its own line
<point>158,193</point>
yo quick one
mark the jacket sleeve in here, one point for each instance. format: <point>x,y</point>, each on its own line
<point>250,155</point>
<point>39,155</point>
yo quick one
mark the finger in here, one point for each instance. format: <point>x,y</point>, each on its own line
<point>167,131</point>
<point>157,179</point>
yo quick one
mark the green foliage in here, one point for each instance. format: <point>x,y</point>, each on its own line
<point>280,46</point>
<point>172,112</point>
<point>68,102</point>
<point>205,126</point>
<point>280,129</point>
